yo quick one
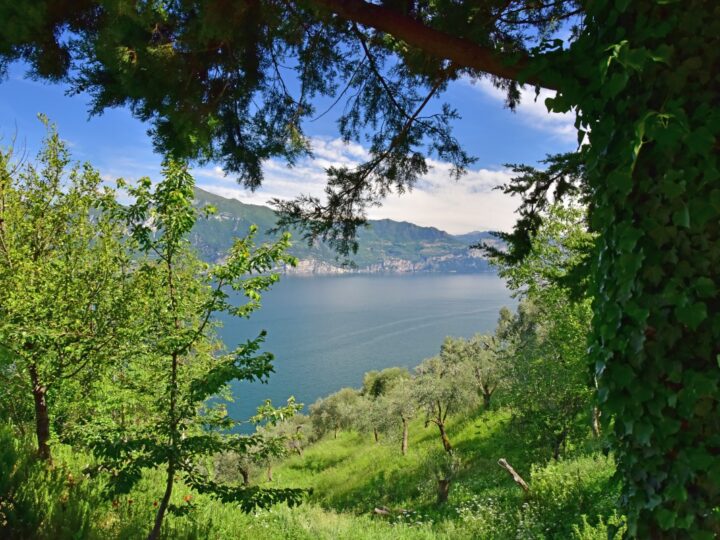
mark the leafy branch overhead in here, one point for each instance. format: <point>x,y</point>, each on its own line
<point>213,93</point>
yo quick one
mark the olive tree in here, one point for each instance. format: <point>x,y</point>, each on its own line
<point>335,412</point>
<point>443,386</point>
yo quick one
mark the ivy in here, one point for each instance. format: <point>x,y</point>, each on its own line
<point>646,94</point>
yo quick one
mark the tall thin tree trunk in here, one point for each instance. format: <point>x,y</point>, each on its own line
<point>404,436</point>
<point>269,473</point>
<point>443,435</point>
<point>596,421</point>
<point>376,435</point>
<point>162,508</point>
<point>42,417</point>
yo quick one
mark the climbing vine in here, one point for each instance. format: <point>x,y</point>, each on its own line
<point>646,90</point>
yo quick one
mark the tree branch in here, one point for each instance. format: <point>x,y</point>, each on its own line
<point>461,51</point>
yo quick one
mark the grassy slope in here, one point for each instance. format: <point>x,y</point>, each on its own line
<point>353,473</point>
<point>350,476</point>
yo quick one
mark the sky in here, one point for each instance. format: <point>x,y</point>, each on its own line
<point>118,146</point>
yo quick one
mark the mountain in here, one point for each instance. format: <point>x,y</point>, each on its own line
<point>476,237</point>
<point>386,246</point>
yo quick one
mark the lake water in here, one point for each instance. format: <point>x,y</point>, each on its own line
<point>326,332</point>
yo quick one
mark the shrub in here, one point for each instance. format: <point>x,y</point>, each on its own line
<point>568,496</point>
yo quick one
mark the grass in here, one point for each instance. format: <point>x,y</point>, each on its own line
<point>350,476</point>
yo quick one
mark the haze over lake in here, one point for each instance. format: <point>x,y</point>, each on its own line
<point>326,332</point>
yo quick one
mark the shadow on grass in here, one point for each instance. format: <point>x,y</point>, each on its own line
<point>317,463</point>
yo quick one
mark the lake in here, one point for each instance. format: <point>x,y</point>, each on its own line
<point>326,332</point>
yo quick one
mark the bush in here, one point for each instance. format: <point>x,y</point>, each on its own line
<point>570,496</point>
<point>37,500</point>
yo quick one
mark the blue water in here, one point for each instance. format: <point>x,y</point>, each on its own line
<point>326,332</point>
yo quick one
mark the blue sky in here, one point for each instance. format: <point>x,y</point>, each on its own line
<point>118,145</point>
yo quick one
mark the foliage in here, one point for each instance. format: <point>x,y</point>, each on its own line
<point>548,383</point>
<point>176,363</point>
<point>640,75</point>
<point>334,412</point>
<point>64,276</point>
<point>562,492</point>
<point>442,387</point>
<point>480,356</point>
<point>546,341</point>
<point>395,409</point>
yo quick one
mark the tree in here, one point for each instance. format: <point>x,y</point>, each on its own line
<point>335,412</point>
<point>546,342</point>
<point>64,274</point>
<point>479,354</point>
<point>295,431</point>
<point>442,386</point>
<point>275,436</point>
<point>646,105</point>
<point>398,406</point>
<point>177,363</point>
<point>377,384</point>
<point>547,372</point>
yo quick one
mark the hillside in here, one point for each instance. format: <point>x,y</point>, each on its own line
<point>351,476</point>
<point>386,246</point>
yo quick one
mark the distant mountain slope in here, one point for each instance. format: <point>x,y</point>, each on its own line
<point>386,246</point>
<point>476,237</point>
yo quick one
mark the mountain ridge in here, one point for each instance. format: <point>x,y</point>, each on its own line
<point>385,246</point>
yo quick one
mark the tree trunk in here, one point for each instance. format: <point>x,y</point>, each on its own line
<point>269,473</point>
<point>335,433</point>
<point>443,435</point>
<point>376,435</point>
<point>245,476</point>
<point>162,508</point>
<point>404,436</point>
<point>653,179</point>
<point>42,417</point>
<point>486,399</point>
<point>596,422</point>
<point>443,490</point>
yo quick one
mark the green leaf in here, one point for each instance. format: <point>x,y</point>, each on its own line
<point>692,315</point>
<point>701,141</point>
<point>666,518</point>
<point>642,432</point>
<point>706,287</point>
<point>616,83</point>
<point>681,217</point>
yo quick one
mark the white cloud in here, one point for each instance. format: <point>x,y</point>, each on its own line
<point>437,200</point>
<point>532,110</point>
